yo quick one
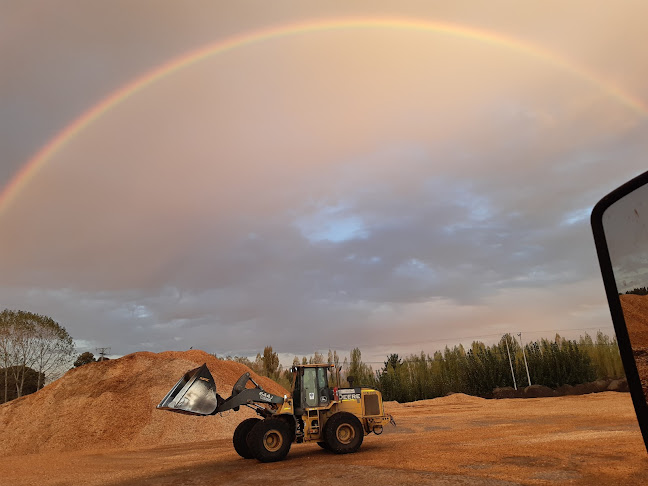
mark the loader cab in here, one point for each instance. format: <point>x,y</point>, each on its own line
<point>311,387</point>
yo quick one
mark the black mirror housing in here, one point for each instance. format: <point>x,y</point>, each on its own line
<point>615,221</point>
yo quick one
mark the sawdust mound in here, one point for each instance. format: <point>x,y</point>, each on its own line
<point>459,399</point>
<point>112,404</point>
<point>451,399</point>
<point>635,312</point>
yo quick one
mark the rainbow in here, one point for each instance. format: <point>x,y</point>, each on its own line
<point>31,168</point>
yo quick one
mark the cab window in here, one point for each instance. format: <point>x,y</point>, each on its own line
<point>322,382</point>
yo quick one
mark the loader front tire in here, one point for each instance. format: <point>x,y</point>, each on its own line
<point>241,435</point>
<point>343,433</point>
<point>270,440</point>
<point>323,445</point>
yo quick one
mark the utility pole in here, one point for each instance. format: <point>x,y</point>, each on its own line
<point>526,365</point>
<point>102,352</point>
<point>510,362</point>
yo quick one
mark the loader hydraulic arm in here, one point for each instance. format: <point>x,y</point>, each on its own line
<point>246,396</point>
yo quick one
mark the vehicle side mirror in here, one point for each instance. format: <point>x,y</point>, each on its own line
<point>620,227</point>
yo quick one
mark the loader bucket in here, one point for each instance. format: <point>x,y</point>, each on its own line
<point>194,394</point>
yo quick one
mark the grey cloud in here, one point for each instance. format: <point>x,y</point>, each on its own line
<point>310,195</point>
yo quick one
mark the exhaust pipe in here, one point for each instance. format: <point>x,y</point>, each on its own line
<point>194,394</point>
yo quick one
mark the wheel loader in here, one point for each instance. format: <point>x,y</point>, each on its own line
<point>336,418</point>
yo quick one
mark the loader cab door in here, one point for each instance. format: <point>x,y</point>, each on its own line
<point>311,388</point>
<point>297,394</point>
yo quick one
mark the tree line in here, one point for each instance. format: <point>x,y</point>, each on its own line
<point>480,369</point>
<point>33,347</point>
<point>474,371</point>
<point>637,291</point>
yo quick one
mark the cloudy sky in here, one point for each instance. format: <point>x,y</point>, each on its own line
<point>313,175</point>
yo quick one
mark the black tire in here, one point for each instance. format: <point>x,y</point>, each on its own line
<point>323,445</point>
<point>270,440</point>
<point>343,433</point>
<point>240,437</point>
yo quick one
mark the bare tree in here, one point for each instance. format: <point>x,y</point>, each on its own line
<point>22,346</point>
<point>53,347</point>
<point>29,340</point>
<point>5,360</point>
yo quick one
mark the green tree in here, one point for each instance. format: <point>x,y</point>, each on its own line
<point>605,356</point>
<point>392,360</point>
<point>84,358</point>
<point>253,365</point>
<point>270,362</point>
<point>558,362</point>
<point>388,380</point>
<point>30,385</point>
<point>361,373</point>
<point>638,291</point>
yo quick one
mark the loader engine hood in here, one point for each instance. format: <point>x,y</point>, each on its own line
<point>194,394</point>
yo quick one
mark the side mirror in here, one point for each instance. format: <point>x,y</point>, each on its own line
<point>620,227</point>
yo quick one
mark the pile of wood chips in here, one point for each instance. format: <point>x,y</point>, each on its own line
<point>635,312</point>
<point>112,404</point>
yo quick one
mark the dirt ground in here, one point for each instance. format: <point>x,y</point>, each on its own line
<point>587,439</point>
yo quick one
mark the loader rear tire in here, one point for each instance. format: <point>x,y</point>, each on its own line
<point>241,435</point>
<point>343,433</point>
<point>270,440</point>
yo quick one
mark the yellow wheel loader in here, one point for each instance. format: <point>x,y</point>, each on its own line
<point>336,418</point>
